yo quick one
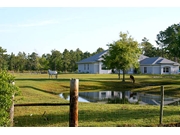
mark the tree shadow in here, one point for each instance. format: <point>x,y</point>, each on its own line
<point>34,88</point>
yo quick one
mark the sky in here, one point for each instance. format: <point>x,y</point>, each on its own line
<point>41,28</point>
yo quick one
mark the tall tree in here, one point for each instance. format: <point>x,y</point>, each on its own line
<point>122,54</point>
<point>66,60</point>
<point>160,41</point>
<point>147,48</point>
<point>21,61</point>
<point>12,61</point>
<point>55,60</point>
<point>44,62</point>
<point>98,51</point>
<point>171,41</point>
<point>3,58</point>
<point>33,61</point>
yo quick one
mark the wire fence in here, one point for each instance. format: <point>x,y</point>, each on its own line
<point>101,114</point>
<point>95,115</point>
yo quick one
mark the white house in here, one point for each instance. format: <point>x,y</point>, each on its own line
<point>93,64</point>
<point>158,65</point>
<point>152,65</point>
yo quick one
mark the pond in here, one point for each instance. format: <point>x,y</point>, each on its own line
<point>118,96</point>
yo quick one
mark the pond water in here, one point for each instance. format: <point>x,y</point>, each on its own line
<point>131,97</point>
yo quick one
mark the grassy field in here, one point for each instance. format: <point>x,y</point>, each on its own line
<point>38,88</point>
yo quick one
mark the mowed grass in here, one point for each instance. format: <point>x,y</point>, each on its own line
<point>38,88</point>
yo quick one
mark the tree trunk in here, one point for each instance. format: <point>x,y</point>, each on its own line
<point>123,97</point>
<point>119,75</point>
<point>123,76</point>
<point>175,59</point>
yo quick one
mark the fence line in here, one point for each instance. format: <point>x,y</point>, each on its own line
<point>162,105</point>
<point>73,111</point>
<point>42,104</point>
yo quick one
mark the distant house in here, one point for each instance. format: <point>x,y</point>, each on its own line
<point>158,65</point>
<point>93,64</point>
<point>148,65</point>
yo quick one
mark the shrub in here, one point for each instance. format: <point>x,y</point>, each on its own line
<point>7,89</point>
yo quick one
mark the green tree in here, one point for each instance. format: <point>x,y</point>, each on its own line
<point>44,63</point>
<point>55,60</point>
<point>33,61</point>
<point>7,90</point>
<point>170,40</point>
<point>20,61</point>
<point>12,61</point>
<point>3,59</point>
<point>160,42</point>
<point>122,54</point>
<point>98,51</point>
<point>86,54</point>
<point>73,60</point>
<point>147,48</point>
<point>66,60</point>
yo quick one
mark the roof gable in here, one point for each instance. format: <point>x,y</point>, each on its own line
<point>94,58</point>
<point>98,57</point>
<point>157,60</point>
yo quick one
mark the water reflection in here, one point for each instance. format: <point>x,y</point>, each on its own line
<point>122,97</point>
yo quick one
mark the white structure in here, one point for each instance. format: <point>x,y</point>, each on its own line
<point>159,65</point>
<point>152,65</point>
<point>93,65</point>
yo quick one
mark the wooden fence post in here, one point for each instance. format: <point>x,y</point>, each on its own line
<point>12,112</point>
<point>162,104</point>
<point>73,114</point>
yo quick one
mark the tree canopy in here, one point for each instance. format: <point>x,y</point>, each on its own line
<point>169,40</point>
<point>122,54</point>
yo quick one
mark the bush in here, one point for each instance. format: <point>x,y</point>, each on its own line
<point>7,89</point>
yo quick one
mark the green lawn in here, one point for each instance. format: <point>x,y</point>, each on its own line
<point>38,88</point>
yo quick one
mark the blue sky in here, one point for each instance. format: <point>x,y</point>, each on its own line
<point>42,29</point>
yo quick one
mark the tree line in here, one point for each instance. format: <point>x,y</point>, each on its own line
<point>62,62</point>
<point>168,46</point>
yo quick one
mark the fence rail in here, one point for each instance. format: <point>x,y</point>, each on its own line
<point>73,111</point>
<point>42,104</point>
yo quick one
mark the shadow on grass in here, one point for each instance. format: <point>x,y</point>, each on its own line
<point>42,79</point>
<point>45,91</point>
<point>143,117</point>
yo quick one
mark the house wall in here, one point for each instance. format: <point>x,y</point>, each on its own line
<point>173,69</point>
<point>95,68</point>
<point>83,68</point>
<point>150,69</point>
<point>159,69</point>
<point>156,69</point>
<point>98,69</point>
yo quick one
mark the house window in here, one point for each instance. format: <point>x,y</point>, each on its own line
<point>145,69</point>
<point>84,66</point>
<point>103,95</point>
<point>165,69</point>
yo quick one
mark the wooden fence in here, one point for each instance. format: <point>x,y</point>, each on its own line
<point>73,111</point>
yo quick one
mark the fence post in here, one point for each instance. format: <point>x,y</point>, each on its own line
<point>162,104</point>
<point>12,112</point>
<point>73,114</point>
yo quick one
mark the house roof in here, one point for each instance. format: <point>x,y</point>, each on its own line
<point>98,57</point>
<point>94,58</point>
<point>142,57</point>
<point>157,60</point>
